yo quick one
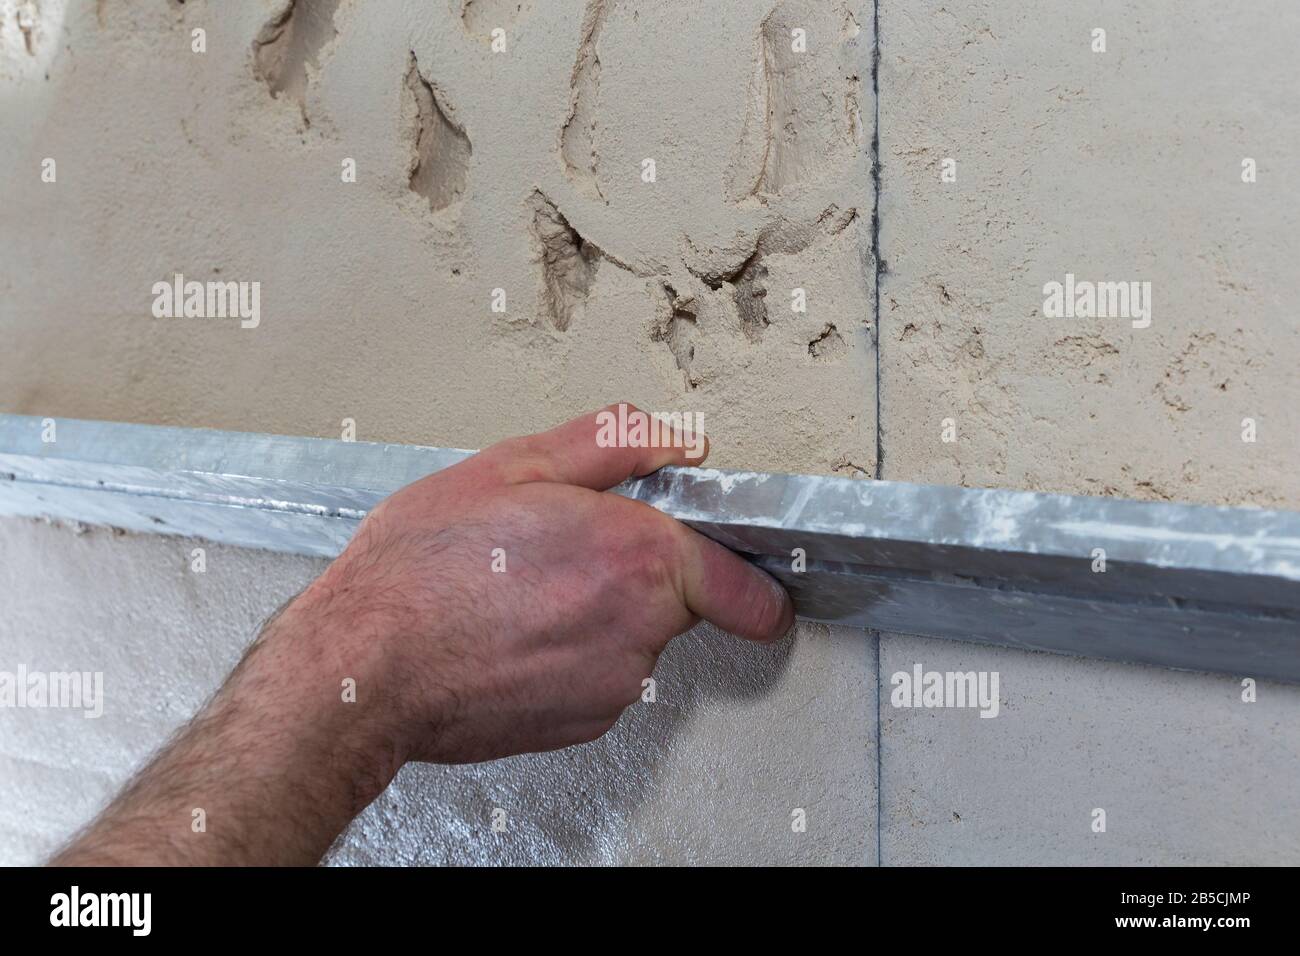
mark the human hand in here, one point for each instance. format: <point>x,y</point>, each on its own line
<point>507,604</point>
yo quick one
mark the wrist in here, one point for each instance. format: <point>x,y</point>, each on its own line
<point>331,677</point>
<point>390,638</point>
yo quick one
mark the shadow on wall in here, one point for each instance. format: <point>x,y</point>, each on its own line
<point>578,805</point>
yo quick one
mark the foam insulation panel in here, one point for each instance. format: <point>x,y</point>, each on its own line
<point>1185,771</point>
<point>738,738</point>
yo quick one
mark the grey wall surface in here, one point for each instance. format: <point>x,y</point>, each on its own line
<point>521,170</point>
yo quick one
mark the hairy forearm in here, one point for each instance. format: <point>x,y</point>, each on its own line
<point>270,772</point>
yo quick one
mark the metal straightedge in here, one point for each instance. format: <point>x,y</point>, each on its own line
<point>1184,586</point>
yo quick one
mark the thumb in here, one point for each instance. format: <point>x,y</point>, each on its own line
<point>728,591</point>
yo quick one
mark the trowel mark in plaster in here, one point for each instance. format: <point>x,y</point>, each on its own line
<point>747,280</point>
<point>568,263</point>
<point>849,31</point>
<point>782,143</point>
<point>749,292</point>
<point>481,17</point>
<point>440,161</point>
<point>27,15</point>
<point>827,344</point>
<point>676,326</point>
<point>744,175</point>
<point>578,135</point>
<point>289,41</point>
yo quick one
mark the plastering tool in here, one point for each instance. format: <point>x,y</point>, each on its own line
<point>1184,586</point>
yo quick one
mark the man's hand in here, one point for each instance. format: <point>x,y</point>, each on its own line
<point>480,663</point>
<point>453,659</point>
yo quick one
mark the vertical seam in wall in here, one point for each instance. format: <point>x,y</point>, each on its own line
<point>875,220</point>
<point>880,451</point>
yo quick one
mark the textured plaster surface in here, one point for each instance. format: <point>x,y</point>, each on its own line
<point>476,171</point>
<point>1123,165</point>
<point>482,178</point>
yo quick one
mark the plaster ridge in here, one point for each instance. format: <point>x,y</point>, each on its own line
<point>289,41</point>
<point>577,134</point>
<point>439,166</point>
